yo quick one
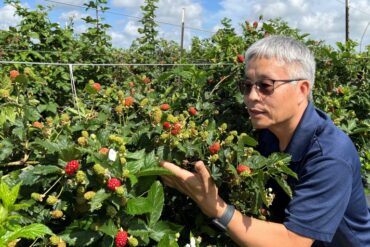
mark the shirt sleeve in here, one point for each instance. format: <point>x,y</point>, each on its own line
<point>320,198</point>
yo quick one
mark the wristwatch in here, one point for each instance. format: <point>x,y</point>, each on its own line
<point>224,220</point>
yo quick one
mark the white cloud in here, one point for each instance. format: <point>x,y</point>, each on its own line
<point>8,17</point>
<point>131,29</point>
<point>72,15</point>
<point>127,3</point>
<point>324,20</point>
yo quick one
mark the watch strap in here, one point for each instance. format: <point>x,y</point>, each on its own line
<point>224,220</point>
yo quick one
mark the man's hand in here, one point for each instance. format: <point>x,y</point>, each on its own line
<point>199,186</point>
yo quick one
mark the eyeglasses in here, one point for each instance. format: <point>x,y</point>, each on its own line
<point>265,86</point>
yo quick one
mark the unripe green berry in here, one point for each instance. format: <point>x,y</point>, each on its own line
<point>37,197</point>
<point>229,139</point>
<point>89,195</point>
<point>234,133</point>
<point>57,214</point>
<point>54,240</point>
<point>120,190</point>
<point>82,141</point>
<point>99,169</point>
<point>51,200</point>
<point>85,134</point>
<point>111,211</point>
<point>133,241</point>
<point>81,177</point>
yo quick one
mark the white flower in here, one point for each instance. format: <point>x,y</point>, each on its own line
<point>192,242</point>
<point>112,155</point>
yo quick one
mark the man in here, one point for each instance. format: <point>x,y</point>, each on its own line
<point>328,207</point>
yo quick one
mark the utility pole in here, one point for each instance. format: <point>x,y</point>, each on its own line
<point>347,20</point>
<point>182,30</point>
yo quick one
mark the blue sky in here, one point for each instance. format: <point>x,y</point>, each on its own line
<point>323,20</point>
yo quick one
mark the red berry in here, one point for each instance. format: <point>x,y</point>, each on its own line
<point>104,150</point>
<point>255,24</point>
<point>240,58</point>
<point>165,107</point>
<point>113,183</point>
<point>72,167</point>
<point>214,148</point>
<point>243,168</point>
<point>121,238</point>
<point>147,80</point>
<point>13,74</point>
<point>131,84</point>
<point>38,125</point>
<point>176,129</point>
<point>166,125</point>
<point>129,101</point>
<point>210,81</point>
<point>192,110</point>
<point>96,86</point>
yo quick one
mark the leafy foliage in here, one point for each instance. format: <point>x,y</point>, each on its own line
<point>113,126</point>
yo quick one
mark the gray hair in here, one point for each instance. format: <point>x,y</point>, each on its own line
<point>289,51</point>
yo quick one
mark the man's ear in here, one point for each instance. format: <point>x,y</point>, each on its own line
<point>304,88</point>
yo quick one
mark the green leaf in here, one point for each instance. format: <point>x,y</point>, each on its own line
<point>46,169</point>
<point>6,149</point>
<point>153,171</point>
<point>81,237</point>
<point>246,140</point>
<point>31,114</point>
<point>30,232</point>
<point>137,206</point>
<point>97,200</point>
<point>166,241</point>
<point>48,145</point>
<point>156,200</point>
<point>9,196</point>
<point>261,187</point>
<point>138,155</point>
<point>284,185</point>
<point>109,228</point>
<point>162,228</point>
<point>22,79</point>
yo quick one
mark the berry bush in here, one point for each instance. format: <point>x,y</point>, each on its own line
<point>82,162</point>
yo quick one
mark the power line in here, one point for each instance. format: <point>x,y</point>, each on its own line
<point>115,64</point>
<point>133,17</point>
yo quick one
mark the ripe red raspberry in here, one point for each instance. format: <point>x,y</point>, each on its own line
<point>147,80</point>
<point>131,84</point>
<point>121,238</point>
<point>96,86</point>
<point>38,125</point>
<point>129,101</point>
<point>166,125</point>
<point>165,107</point>
<point>214,148</point>
<point>243,168</point>
<point>72,167</point>
<point>255,24</point>
<point>13,74</point>
<point>192,110</point>
<point>240,58</point>
<point>104,150</point>
<point>176,129</point>
<point>113,183</point>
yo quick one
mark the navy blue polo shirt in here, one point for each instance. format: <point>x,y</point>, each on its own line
<point>328,203</point>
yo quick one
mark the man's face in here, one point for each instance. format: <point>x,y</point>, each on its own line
<point>279,109</point>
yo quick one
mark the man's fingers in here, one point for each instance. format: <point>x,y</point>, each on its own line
<point>176,170</point>
<point>202,170</point>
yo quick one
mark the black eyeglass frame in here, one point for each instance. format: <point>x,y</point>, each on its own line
<point>246,89</point>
